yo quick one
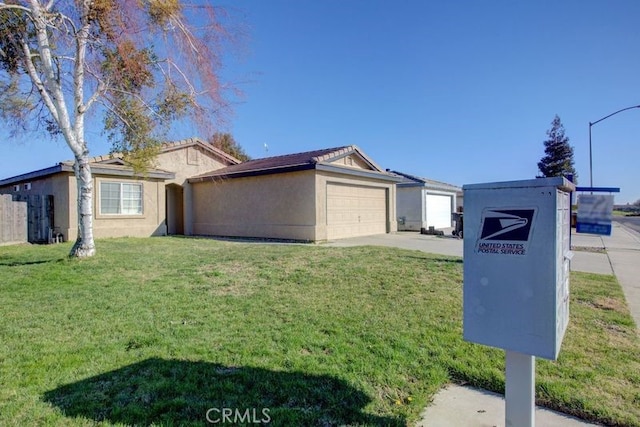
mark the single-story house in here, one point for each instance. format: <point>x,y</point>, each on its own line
<point>315,196</point>
<point>194,188</point>
<point>125,204</point>
<point>424,203</point>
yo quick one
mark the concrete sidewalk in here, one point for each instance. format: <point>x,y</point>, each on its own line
<point>620,256</point>
<point>459,406</point>
<point>623,251</point>
<point>589,254</point>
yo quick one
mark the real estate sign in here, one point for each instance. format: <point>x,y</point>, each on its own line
<point>594,214</point>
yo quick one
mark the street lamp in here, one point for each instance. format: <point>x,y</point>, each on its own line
<point>590,152</point>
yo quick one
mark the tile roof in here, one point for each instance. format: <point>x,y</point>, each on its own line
<point>437,185</point>
<point>113,164</point>
<point>167,146</point>
<point>96,168</point>
<point>296,161</point>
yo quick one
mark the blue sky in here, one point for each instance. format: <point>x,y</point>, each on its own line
<point>457,91</point>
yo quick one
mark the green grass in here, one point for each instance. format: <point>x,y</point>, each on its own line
<point>157,331</point>
<point>630,212</point>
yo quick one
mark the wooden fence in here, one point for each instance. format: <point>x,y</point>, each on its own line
<point>13,220</point>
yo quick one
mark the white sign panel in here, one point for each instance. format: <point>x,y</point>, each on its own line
<point>516,265</point>
<point>594,214</point>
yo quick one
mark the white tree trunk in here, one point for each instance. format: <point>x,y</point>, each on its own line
<point>50,88</point>
<point>84,246</point>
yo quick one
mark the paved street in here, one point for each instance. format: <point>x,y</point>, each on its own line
<point>623,250</point>
<point>633,222</point>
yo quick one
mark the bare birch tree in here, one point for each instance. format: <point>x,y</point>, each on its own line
<point>138,64</point>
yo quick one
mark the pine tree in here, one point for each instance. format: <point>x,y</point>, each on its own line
<point>228,144</point>
<point>558,158</point>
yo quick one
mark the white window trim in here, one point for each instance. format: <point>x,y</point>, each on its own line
<point>121,215</point>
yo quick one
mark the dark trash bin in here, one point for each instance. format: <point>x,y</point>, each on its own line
<point>457,218</point>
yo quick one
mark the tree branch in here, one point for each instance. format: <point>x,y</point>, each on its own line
<point>143,102</point>
<point>35,78</point>
<point>96,95</point>
<point>4,5</point>
<point>173,65</point>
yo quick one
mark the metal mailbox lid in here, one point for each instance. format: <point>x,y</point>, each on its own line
<point>558,182</point>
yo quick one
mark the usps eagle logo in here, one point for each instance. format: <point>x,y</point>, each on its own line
<point>505,231</point>
<point>507,224</point>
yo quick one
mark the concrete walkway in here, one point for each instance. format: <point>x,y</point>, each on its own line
<point>623,250</point>
<point>459,406</point>
<point>622,258</point>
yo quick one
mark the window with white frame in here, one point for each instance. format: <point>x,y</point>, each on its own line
<point>120,198</point>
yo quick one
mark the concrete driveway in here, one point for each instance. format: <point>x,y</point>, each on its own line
<point>444,245</point>
<point>584,259</point>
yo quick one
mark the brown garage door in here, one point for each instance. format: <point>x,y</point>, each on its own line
<point>354,210</point>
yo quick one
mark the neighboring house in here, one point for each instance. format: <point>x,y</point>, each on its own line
<point>314,196</point>
<point>124,204</point>
<point>194,188</point>
<point>424,203</point>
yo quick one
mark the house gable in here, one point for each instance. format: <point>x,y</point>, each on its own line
<point>353,161</point>
<point>192,157</point>
<point>176,161</point>
<point>196,147</point>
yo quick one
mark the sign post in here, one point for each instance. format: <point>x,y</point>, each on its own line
<point>520,390</point>
<point>516,278</point>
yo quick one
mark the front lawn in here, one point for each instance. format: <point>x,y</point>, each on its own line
<point>167,330</point>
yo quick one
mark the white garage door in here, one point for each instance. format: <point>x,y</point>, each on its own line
<point>438,211</point>
<point>354,210</point>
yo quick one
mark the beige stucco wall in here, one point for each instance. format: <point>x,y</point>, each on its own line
<point>278,206</point>
<point>352,161</point>
<point>323,177</point>
<point>284,206</point>
<point>150,223</point>
<point>187,162</point>
<point>66,194</point>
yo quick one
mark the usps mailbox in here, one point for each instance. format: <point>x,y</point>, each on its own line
<point>516,264</point>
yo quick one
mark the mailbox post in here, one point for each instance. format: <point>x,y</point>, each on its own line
<point>516,278</point>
